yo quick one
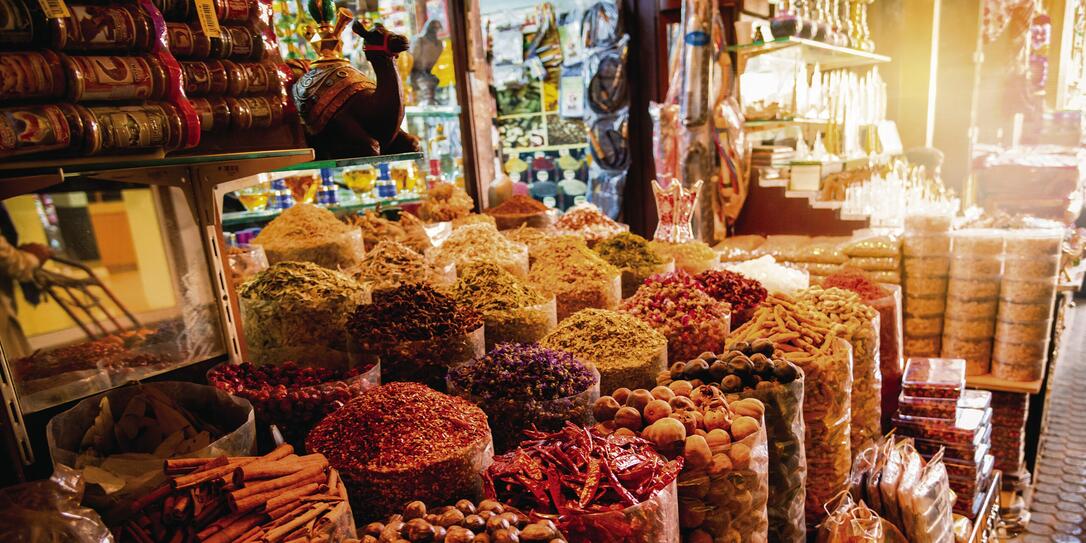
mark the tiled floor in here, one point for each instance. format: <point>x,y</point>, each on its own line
<point>1058,511</point>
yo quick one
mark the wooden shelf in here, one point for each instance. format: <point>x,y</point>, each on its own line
<point>759,126</point>
<point>248,217</point>
<point>988,382</point>
<point>348,162</point>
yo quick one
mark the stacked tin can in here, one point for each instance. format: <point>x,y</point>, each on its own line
<point>926,247</point>
<point>976,270</point>
<point>1026,300</point>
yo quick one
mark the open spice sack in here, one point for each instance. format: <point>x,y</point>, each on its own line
<point>309,233</point>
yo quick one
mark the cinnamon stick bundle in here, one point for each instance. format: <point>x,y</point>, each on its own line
<point>306,473</point>
<point>272,470</point>
<point>198,477</point>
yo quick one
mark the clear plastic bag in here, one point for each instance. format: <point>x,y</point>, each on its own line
<point>521,325</point>
<point>739,247</point>
<point>652,521</point>
<point>339,253</point>
<point>508,417</point>
<point>310,332</point>
<point>823,250</point>
<point>891,347</point>
<point>49,512</point>
<point>787,464</point>
<point>866,386</point>
<point>727,501</point>
<point>926,510</point>
<point>852,522</point>
<point>141,472</point>
<point>875,263</point>
<point>782,247</point>
<point>872,246</point>
<point>425,361</point>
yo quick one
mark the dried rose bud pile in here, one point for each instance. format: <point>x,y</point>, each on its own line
<point>692,321</point>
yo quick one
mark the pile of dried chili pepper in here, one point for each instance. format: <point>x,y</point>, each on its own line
<point>577,470</point>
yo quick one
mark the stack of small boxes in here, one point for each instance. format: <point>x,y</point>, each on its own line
<point>1010,411</point>
<point>937,412</point>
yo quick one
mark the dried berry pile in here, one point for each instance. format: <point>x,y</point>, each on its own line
<point>403,441</point>
<point>464,522</point>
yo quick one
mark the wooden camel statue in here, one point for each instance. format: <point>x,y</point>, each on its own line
<point>345,113</point>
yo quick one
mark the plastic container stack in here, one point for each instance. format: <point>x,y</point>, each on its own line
<point>976,270</point>
<point>926,248</point>
<point>1026,298</point>
<point>936,411</point>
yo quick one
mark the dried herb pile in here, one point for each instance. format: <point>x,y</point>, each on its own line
<point>411,313</point>
<point>575,275</point>
<point>300,282</point>
<point>391,264</point>
<point>625,350</point>
<point>491,290</point>
<point>409,230</point>
<point>692,321</point>
<point>309,233</point>
<point>692,256</point>
<point>481,242</point>
<point>521,372</point>
<point>628,250</point>
<point>445,202</point>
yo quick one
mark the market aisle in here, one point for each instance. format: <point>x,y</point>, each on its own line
<point>1058,511</point>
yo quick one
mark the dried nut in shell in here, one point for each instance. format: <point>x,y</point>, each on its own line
<point>743,427</point>
<point>625,432</point>
<point>679,403</point>
<point>452,517</point>
<point>536,532</point>
<point>716,420</point>
<point>681,388</point>
<point>605,409</point>
<point>418,529</point>
<point>750,407</point>
<point>720,464</point>
<point>740,455</point>
<point>691,513</point>
<point>697,452</point>
<point>718,440</point>
<point>628,417</point>
<point>663,393</point>
<point>665,433</point>
<point>687,419</point>
<point>639,398</point>
<point>459,534</point>
<point>621,394</point>
<point>656,410</point>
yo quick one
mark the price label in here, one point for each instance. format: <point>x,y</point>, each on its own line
<point>55,9</point>
<point>209,22</point>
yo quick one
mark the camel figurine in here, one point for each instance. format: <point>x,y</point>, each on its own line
<point>345,113</point>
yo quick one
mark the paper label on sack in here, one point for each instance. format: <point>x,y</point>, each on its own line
<point>55,9</point>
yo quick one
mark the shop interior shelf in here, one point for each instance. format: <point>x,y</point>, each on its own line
<point>773,124</point>
<point>348,162</point>
<point>829,57</point>
<point>447,112</point>
<point>989,382</point>
<point>236,218</point>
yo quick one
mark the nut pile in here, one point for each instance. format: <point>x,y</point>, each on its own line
<point>812,343</point>
<point>465,522</point>
<point>723,486</point>
<point>757,370</point>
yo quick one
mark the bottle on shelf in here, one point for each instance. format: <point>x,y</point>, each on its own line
<point>281,197</point>
<point>386,187</point>
<point>327,193</point>
<point>435,176</point>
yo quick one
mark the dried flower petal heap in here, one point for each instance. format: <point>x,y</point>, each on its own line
<point>576,276</point>
<point>628,250</point>
<point>625,350</point>
<point>401,442</point>
<point>587,221</point>
<point>741,293</point>
<point>571,474</point>
<point>416,333</point>
<point>391,264</point>
<point>297,311</point>
<point>691,321</point>
<point>307,233</point>
<point>482,242</point>
<point>521,386</point>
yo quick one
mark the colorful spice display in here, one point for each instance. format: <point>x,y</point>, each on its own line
<point>482,242</point>
<point>292,397</point>
<point>889,305</point>
<point>691,321</point>
<point>416,333</point>
<point>391,264</point>
<point>445,202</point>
<point>757,370</point>
<point>576,276</point>
<point>723,485</point>
<point>297,311</point>
<point>691,257</point>
<point>461,523</point>
<point>861,329</point>
<point>625,350</point>
<point>307,233</point>
<point>806,339</point>
<point>519,210</point>
<point>275,497</point>
<point>521,386</point>
<point>584,507</point>
<point>384,444</point>
<point>409,230</point>
<point>631,254</point>
<point>587,221</point>
<point>513,311</point>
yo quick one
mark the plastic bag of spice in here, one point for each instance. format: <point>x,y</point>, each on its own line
<point>866,387</point>
<point>520,325</point>
<point>891,347</point>
<point>425,361</point>
<point>653,521</point>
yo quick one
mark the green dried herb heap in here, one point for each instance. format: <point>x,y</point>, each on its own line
<point>391,264</point>
<point>576,276</point>
<point>625,350</point>
<point>300,282</point>
<point>629,251</point>
<point>491,290</point>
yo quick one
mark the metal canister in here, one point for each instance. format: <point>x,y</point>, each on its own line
<point>214,113</point>
<point>263,77</point>
<point>267,111</point>
<point>26,130</point>
<point>232,10</point>
<point>111,78</point>
<point>35,74</point>
<point>146,126</point>
<point>121,27</point>
<point>247,44</point>
<point>204,78</point>
<point>175,10</point>
<point>241,117</point>
<point>22,25</point>
<point>237,81</point>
